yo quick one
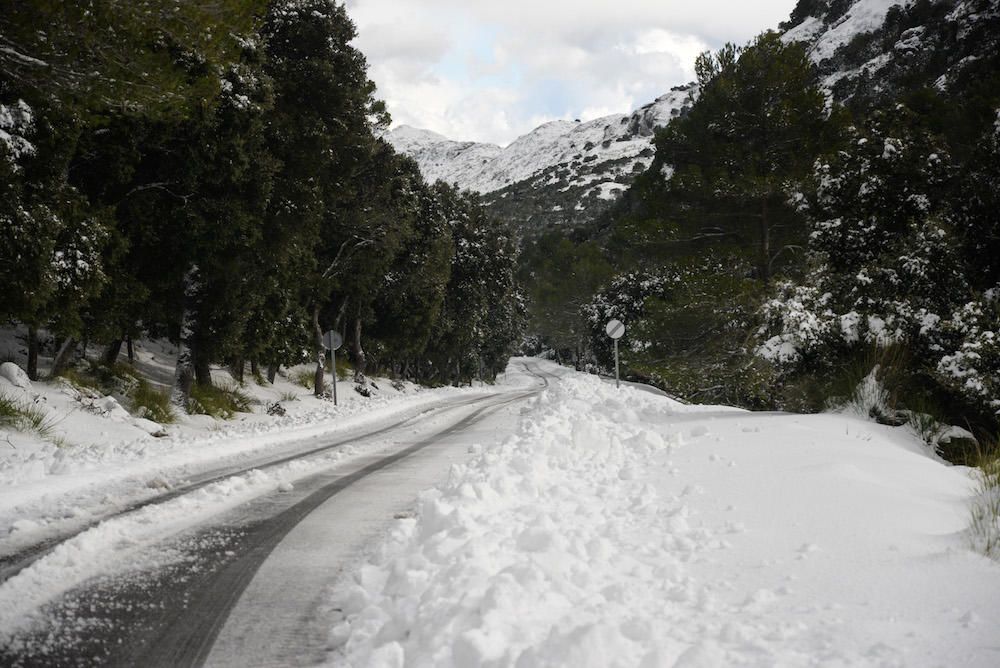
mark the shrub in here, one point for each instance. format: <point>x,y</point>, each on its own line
<point>23,416</point>
<point>219,402</point>
<point>117,378</point>
<point>985,526</point>
<point>306,378</point>
<point>152,404</point>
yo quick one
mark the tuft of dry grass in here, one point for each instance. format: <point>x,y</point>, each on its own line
<point>23,416</point>
<point>985,526</point>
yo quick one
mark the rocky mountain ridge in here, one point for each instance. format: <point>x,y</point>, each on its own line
<point>561,172</point>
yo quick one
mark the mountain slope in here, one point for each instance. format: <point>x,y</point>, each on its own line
<point>561,172</point>
<point>868,51</point>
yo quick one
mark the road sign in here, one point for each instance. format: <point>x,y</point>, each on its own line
<point>333,340</point>
<point>615,329</point>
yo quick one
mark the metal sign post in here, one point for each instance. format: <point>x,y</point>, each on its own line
<point>333,340</point>
<point>616,330</point>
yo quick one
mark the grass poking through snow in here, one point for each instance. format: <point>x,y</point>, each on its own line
<point>986,505</point>
<point>219,402</point>
<point>152,404</point>
<point>23,416</point>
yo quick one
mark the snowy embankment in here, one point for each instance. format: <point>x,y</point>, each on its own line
<point>619,528</point>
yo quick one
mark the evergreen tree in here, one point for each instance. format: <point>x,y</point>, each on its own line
<point>752,135</point>
<point>412,293</point>
<point>564,277</point>
<point>51,238</point>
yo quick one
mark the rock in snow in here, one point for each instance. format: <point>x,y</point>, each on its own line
<point>15,375</point>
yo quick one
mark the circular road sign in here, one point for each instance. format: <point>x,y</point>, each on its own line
<point>333,340</point>
<point>615,329</point>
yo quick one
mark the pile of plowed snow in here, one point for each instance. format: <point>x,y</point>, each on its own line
<point>618,528</point>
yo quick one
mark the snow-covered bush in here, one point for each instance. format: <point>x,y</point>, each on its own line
<point>885,265</point>
<point>626,298</point>
<point>800,323</point>
<point>16,125</point>
<point>890,267</point>
<point>971,362</point>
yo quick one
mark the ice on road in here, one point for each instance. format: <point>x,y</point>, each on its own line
<point>618,528</point>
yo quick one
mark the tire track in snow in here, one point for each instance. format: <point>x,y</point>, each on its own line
<point>190,635</point>
<point>11,565</point>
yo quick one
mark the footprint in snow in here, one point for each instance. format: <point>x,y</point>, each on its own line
<point>806,550</point>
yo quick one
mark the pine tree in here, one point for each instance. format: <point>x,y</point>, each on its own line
<point>752,135</point>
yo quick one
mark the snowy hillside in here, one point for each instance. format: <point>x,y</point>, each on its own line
<point>440,158</point>
<point>567,173</point>
<point>486,168</point>
<point>869,48</point>
<point>565,169</point>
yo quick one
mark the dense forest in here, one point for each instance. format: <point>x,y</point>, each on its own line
<point>212,173</point>
<point>806,239</point>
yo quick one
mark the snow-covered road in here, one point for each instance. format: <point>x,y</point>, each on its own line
<point>565,523</point>
<point>618,528</point>
<point>178,562</point>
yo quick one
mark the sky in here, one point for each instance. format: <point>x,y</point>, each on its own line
<point>492,70</point>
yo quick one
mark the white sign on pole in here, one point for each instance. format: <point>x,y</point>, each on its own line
<point>616,330</point>
<point>333,340</point>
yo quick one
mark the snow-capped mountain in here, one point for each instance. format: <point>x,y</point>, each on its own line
<point>562,171</point>
<point>440,158</point>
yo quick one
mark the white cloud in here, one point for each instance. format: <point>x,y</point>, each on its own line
<point>488,71</point>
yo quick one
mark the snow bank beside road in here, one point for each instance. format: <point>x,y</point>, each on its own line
<point>622,529</point>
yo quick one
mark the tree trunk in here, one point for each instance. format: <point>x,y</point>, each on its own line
<point>112,351</point>
<point>32,369</point>
<point>765,243</point>
<point>202,370</point>
<point>237,369</point>
<point>64,356</point>
<point>184,372</point>
<point>254,369</point>
<point>319,382</point>
<point>358,353</point>
<point>183,376</point>
<point>272,372</point>
<point>131,349</point>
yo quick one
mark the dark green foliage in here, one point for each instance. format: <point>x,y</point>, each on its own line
<point>742,149</point>
<point>563,276</point>
<point>482,316</point>
<point>220,402</point>
<point>211,173</point>
<point>154,57</point>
